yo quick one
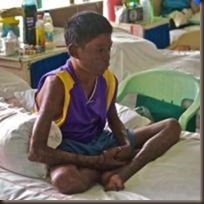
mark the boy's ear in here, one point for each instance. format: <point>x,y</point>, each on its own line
<point>73,50</point>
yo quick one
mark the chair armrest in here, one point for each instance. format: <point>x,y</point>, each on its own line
<point>186,116</point>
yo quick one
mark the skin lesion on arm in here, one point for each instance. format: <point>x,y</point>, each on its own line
<point>117,127</point>
<point>51,98</point>
<point>49,101</point>
<point>119,130</point>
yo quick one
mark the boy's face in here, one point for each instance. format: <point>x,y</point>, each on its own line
<point>94,57</point>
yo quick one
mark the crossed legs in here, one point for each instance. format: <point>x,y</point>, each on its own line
<point>152,141</point>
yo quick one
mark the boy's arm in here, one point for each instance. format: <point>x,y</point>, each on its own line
<point>120,132</point>
<point>50,101</point>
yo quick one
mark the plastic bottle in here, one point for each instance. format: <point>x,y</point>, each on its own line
<point>10,44</point>
<point>148,13</point>
<point>49,31</point>
<point>29,20</point>
<point>39,28</point>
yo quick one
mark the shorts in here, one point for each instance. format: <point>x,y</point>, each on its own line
<point>105,141</point>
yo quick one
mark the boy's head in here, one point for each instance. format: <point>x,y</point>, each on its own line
<point>85,26</point>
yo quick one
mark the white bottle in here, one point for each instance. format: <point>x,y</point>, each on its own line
<point>148,13</point>
<point>48,31</point>
<point>10,44</point>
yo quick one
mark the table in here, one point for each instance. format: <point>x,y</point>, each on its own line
<point>31,67</point>
<point>156,31</point>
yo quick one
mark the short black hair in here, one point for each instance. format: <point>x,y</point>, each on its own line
<point>85,26</point>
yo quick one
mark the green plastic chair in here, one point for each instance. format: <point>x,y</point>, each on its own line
<point>166,86</point>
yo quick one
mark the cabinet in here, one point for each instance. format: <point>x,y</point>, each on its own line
<point>32,67</point>
<point>156,31</point>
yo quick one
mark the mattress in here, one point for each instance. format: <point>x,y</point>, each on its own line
<point>174,176</point>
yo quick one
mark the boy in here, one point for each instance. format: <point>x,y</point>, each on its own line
<point>80,97</point>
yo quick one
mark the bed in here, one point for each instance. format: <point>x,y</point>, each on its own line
<point>178,35</point>
<point>132,54</point>
<point>174,176</point>
<point>189,36</point>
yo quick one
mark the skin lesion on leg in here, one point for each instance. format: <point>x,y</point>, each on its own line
<point>155,140</point>
<point>68,179</point>
<point>111,180</point>
<point>161,137</point>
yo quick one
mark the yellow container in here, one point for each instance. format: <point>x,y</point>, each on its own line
<point>9,23</point>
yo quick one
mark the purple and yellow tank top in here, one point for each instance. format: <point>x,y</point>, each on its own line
<point>83,119</point>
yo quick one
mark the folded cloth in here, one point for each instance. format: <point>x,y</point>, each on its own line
<point>181,17</point>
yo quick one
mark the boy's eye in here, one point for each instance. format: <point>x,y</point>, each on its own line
<point>104,49</point>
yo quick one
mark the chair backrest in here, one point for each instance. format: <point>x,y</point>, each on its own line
<point>167,85</point>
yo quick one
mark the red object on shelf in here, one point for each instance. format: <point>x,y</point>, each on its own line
<point>111,9</point>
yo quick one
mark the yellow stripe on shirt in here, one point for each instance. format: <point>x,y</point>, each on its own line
<point>68,85</point>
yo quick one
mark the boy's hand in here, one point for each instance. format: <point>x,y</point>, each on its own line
<point>108,160</point>
<point>126,153</point>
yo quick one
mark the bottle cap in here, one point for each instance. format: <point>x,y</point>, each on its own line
<point>9,20</point>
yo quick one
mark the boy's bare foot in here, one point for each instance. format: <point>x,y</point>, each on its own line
<point>111,181</point>
<point>115,183</point>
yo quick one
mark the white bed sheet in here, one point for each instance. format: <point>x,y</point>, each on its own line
<point>174,176</point>
<point>132,54</point>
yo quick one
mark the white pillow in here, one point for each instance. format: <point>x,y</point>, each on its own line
<point>9,83</point>
<point>26,98</point>
<point>16,127</point>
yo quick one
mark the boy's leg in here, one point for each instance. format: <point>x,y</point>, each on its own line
<point>69,179</point>
<point>153,141</point>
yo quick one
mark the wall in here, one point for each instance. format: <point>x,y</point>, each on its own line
<point>60,15</point>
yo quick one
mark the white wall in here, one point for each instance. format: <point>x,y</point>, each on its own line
<point>10,3</point>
